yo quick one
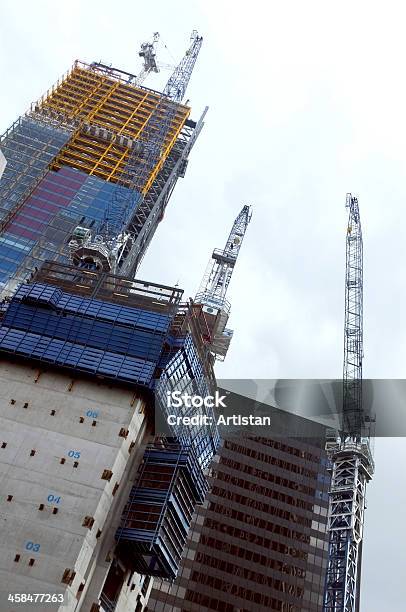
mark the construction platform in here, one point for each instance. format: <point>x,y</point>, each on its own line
<point>157,518</point>
<point>108,115</point>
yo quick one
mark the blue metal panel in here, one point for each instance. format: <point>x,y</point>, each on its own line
<point>107,311</point>
<point>82,358</point>
<point>86,331</point>
<point>45,323</point>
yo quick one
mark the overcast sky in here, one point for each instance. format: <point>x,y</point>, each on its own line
<point>307,101</point>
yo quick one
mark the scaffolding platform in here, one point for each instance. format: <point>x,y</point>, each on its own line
<point>109,116</point>
<point>158,515</point>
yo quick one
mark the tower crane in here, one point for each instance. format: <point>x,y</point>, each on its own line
<point>212,292</point>
<point>104,249</point>
<point>349,451</point>
<point>148,54</point>
<point>150,63</point>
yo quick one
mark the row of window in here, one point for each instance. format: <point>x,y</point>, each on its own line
<point>233,589</point>
<point>260,540</point>
<point>268,476</point>
<point>296,502</point>
<point>242,573</point>
<point>256,504</point>
<point>249,555</point>
<point>277,445</point>
<point>297,468</point>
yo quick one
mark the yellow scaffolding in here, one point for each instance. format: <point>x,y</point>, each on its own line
<point>89,100</point>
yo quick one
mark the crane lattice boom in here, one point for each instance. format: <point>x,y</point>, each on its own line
<point>213,289</point>
<point>353,328</point>
<point>349,452</point>
<point>217,279</point>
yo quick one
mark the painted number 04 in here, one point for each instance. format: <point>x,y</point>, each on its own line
<point>54,498</point>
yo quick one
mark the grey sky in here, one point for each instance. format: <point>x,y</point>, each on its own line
<point>307,101</point>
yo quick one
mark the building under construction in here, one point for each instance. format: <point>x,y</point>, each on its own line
<point>94,504</point>
<point>82,145</point>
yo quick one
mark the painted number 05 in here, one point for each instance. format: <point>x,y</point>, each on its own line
<point>74,454</point>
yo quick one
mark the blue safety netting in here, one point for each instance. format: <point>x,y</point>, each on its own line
<point>43,322</point>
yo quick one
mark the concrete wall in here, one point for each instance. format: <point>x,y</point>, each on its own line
<point>57,436</point>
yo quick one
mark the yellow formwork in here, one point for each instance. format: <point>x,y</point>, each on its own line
<point>86,96</point>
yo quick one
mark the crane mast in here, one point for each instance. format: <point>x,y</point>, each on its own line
<point>213,289</point>
<point>349,450</point>
<point>105,249</point>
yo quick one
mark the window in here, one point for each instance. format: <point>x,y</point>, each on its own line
<point>80,589</point>
<point>88,521</point>
<point>17,558</point>
<point>107,474</point>
<point>31,562</point>
<point>3,444</point>
<point>138,607</point>
<point>145,585</point>
<point>68,576</point>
